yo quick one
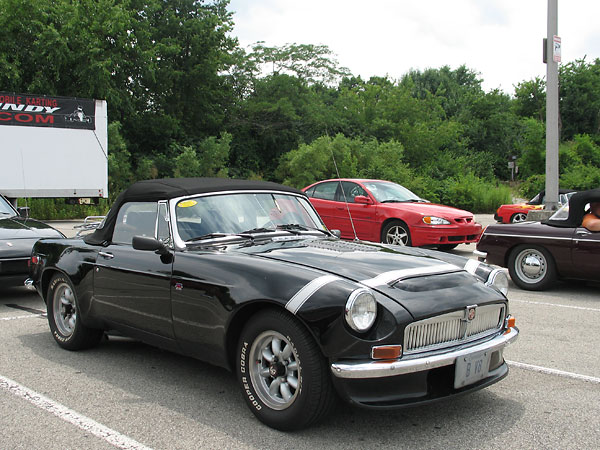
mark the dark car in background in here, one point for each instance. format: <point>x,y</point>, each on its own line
<point>17,236</point>
<point>537,254</point>
<point>382,211</point>
<point>245,275</point>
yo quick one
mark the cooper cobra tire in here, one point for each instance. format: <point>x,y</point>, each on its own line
<point>532,267</point>
<point>63,316</point>
<point>518,217</point>
<point>396,232</point>
<point>284,378</point>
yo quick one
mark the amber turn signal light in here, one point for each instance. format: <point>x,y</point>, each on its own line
<point>386,352</point>
<point>510,323</point>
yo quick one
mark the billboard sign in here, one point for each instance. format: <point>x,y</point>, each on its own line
<point>45,111</point>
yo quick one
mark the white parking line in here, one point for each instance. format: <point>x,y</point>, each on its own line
<point>560,373</point>
<point>28,316</point>
<point>85,423</point>
<point>582,308</point>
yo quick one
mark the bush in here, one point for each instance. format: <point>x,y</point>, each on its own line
<point>57,209</point>
<point>474,194</point>
<point>581,177</point>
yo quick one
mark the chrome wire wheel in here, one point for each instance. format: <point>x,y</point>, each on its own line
<point>396,235</point>
<point>274,370</point>
<point>519,217</point>
<point>64,309</point>
<point>531,265</point>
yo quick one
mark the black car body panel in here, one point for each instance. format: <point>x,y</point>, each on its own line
<point>197,297</point>
<point>17,236</point>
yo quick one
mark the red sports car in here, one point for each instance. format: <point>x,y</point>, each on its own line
<point>518,212</point>
<point>382,211</point>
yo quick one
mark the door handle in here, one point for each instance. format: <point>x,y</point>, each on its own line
<point>106,255</point>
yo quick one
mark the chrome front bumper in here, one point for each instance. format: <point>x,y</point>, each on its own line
<point>29,284</point>
<point>480,255</point>
<point>379,369</point>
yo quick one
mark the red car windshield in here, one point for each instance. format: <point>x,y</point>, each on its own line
<point>386,192</point>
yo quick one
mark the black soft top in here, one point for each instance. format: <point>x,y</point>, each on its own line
<point>168,188</point>
<point>577,204</point>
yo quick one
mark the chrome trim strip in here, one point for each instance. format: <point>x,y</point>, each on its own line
<point>300,297</point>
<point>397,275</point>
<point>128,269</point>
<point>552,238</point>
<point>380,369</point>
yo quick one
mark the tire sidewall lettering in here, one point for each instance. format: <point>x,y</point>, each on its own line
<point>245,383</point>
<point>51,288</point>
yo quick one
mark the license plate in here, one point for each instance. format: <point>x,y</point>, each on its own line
<point>471,368</point>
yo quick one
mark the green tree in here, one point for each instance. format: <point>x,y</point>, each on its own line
<point>120,174</point>
<point>530,99</point>
<point>580,98</point>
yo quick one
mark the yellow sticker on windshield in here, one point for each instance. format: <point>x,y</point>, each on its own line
<point>187,203</point>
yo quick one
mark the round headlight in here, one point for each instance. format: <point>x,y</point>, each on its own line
<point>499,280</point>
<point>361,310</point>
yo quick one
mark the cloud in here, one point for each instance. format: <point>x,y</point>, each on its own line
<point>501,39</point>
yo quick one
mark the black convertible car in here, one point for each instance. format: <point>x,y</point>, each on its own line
<point>17,236</point>
<point>244,275</point>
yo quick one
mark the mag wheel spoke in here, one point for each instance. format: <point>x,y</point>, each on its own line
<point>276,371</point>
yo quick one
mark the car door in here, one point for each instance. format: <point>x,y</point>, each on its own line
<point>322,197</point>
<point>586,253</point>
<point>364,215</point>
<point>132,287</point>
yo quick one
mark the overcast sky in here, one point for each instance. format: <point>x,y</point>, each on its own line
<point>500,39</point>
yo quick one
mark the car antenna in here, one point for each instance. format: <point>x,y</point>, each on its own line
<point>344,194</point>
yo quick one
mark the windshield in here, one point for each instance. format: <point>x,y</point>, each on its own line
<point>243,213</point>
<point>5,208</point>
<point>391,192</point>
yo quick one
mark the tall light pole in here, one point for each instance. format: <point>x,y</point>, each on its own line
<point>552,59</point>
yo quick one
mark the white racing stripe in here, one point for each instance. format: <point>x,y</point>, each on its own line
<point>300,297</point>
<point>396,275</point>
<point>471,266</point>
<point>28,316</point>
<point>560,373</point>
<point>581,308</point>
<point>85,423</point>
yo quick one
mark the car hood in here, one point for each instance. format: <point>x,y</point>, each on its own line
<point>17,236</point>
<point>432,282</point>
<point>429,209</point>
<point>20,228</point>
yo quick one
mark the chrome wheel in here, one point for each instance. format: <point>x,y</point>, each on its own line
<point>396,235</point>
<point>530,266</point>
<point>274,370</point>
<point>519,217</point>
<point>64,309</point>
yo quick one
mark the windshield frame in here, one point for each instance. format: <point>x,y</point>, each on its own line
<point>10,210</point>
<point>180,244</point>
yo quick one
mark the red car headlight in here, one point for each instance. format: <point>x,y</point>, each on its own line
<point>433,220</point>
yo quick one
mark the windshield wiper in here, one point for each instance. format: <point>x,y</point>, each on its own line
<point>291,227</point>
<point>259,230</point>
<point>410,200</point>
<point>217,235</point>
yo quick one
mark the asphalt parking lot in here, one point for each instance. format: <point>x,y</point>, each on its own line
<point>124,394</point>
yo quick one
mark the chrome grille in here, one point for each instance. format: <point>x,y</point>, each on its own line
<point>452,329</point>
